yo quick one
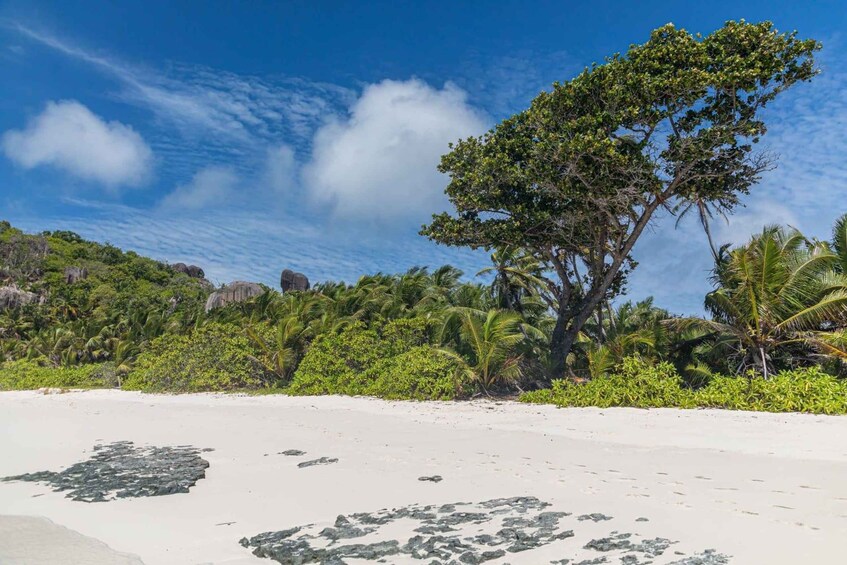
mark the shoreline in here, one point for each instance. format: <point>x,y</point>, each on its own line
<point>755,486</point>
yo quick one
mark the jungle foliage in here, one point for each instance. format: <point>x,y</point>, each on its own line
<point>558,194</point>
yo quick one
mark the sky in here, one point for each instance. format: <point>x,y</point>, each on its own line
<point>248,137</point>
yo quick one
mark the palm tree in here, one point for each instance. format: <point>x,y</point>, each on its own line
<point>487,344</point>
<point>516,274</point>
<point>630,329</point>
<point>282,350</point>
<point>778,290</point>
<point>706,212</point>
<point>839,243</point>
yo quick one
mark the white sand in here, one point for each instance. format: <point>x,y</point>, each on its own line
<point>38,541</point>
<point>762,488</point>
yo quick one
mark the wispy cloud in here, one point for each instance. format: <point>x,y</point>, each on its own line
<point>218,115</point>
<point>210,187</point>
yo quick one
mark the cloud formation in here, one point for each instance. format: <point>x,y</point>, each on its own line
<point>210,187</point>
<point>208,115</point>
<point>380,162</point>
<point>280,174</point>
<point>67,135</point>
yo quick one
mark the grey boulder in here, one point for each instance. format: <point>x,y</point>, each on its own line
<point>13,297</point>
<point>291,280</point>
<point>238,291</point>
<point>192,271</point>
<point>75,274</point>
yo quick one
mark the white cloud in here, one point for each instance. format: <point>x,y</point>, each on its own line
<point>210,187</point>
<point>380,163</point>
<point>749,221</point>
<point>280,174</point>
<point>208,115</point>
<point>69,136</point>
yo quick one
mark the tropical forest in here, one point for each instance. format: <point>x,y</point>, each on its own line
<point>558,195</point>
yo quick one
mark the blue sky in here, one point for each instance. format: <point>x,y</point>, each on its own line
<point>247,137</point>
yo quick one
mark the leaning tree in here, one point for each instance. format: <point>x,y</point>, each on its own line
<point>576,178</point>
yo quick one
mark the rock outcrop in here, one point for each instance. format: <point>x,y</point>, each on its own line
<point>13,297</point>
<point>192,271</point>
<point>237,291</point>
<point>291,280</point>
<point>75,274</point>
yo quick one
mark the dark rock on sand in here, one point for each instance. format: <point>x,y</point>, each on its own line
<point>708,557</point>
<point>344,529</point>
<point>321,461</point>
<point>617,541</point>
<point>121,470</point>
<point>611,543</point>
<point>456,533</point>
<point>595,517</point>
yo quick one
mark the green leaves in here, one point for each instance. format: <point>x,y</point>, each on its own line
<point>642,385</point>
<point>487,344</point>
<point>576,177</point>
<point>775,291</point>
<point>392,364</point>
<point>214,357</point>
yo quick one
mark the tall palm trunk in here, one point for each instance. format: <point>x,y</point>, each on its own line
<point>704,221</point>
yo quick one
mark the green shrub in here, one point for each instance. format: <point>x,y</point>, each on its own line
<point>27,374</point>
<point>640,385</point>
<point>215,357</point>
<point>636,383</point>
<point>336,363</point>
<point>402,334</point>
<point>391,363</point>
<point>422,373</point>
<point>801,390</point>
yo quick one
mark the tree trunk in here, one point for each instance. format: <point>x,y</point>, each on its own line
<point>567,328</point>
<point>704,220</point>
<point>764,362</point>
<point>559,349</point>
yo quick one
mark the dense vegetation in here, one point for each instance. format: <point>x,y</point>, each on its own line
<point>558,194</point>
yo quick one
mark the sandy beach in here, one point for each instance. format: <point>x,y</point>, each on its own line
<point>752,487</point>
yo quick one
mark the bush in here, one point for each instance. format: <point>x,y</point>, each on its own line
<point>215,357</point>
<point>640,385</point>
<point>391,363</point>
<point>26,374</point>
<point>336,363</point>
<point>801,390</point>
<point>636,384</point>
<point>422,373</point>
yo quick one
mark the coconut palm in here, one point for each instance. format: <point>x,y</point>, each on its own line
<point>706,212</point>
<point>630,329</point>
<point>778,290</point>
<point>487,344</point>
<point>516,274</point>
<point>282,347</point>
<point>839,243</point>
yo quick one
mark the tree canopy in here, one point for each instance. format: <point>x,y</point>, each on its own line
<point>577,177</point>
